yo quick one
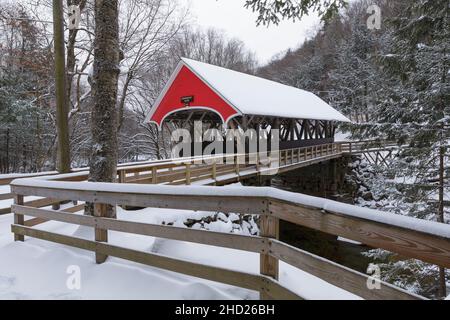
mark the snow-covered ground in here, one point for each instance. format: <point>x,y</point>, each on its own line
<point>5,189</point>
<point>340,136</point>
<point>37,269</point>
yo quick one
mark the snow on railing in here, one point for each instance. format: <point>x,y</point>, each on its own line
<point>216,171</point>
<point>207,170</point>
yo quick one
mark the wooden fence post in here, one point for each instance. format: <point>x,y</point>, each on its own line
<point>19,218</point>
<point>101,235</point>
<point>188,173</point>
<point>269,227</point>
<point>257,161</point>
<point>154,175</point>
<point>122,179</point>
<point>122,176</point>
<point>214,170</point>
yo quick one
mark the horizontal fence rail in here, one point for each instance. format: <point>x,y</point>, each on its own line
<point>414,238</point>
<point>241,279</point>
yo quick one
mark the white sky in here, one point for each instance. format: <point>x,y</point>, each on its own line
<point>237,21</point>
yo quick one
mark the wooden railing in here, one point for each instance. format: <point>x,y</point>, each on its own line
<point>212,170</point>
<point>358,147</point>
<point>189,170</point>
<point>77,174</point>
<point>413,238</point>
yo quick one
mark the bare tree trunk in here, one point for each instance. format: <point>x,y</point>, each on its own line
<point>60,85</point>
<point>7,151</point>
<point>103,164</point>
<point>71,59</point>
<point>442,281</point>
<point>123,98</point>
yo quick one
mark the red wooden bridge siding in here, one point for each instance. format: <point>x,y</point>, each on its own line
<point>187,83</point>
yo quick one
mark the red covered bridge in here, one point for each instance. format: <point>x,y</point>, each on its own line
<point>218,96</point>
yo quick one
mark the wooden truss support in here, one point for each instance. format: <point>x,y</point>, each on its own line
<point>290,129</point>
<point>379,157</point>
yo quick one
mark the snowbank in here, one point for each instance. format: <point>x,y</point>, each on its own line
<point>37,269</point>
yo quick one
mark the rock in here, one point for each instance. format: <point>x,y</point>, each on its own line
<point>221,216</point>
<point>367,196</point>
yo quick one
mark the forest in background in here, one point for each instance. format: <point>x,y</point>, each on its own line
<point>392,82</point>
<point>150,53</point>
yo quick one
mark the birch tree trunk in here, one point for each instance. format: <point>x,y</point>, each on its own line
<point>103,163</point>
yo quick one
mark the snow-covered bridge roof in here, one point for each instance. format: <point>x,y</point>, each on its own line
<point>198,85</point>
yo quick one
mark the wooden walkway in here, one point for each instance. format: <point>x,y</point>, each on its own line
<point>213,170</point>
<point>411,238</point>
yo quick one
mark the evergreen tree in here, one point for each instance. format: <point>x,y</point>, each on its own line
<point>356,79</point>
<point>418,112</point>
<point>272,11</point>
<point>26,115</point>
<point>394,82</point>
